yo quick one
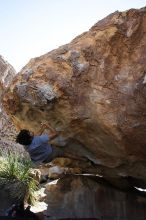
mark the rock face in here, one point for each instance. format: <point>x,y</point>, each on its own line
<point>7,73</point>
<point>7,129</point>
<point>92,91</point>
<point>83,197</point>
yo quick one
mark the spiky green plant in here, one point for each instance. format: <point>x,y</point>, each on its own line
<point>14,171</point>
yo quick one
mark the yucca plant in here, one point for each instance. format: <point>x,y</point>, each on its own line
<point>14,175</point>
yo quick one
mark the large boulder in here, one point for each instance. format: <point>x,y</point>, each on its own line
<point>92,91</point>
<point>82,197</point>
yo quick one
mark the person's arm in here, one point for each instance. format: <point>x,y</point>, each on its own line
<point>43,127</point>
<point>52,132</point>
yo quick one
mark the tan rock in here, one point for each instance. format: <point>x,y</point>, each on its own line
<point>92,91</point>
<point>86,197</point>
<point>35,174</point>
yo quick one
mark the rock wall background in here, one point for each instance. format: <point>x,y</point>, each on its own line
<point>7,129</point>
<point>7,72</point>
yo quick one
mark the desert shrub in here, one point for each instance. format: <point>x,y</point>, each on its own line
<point>14,175</point>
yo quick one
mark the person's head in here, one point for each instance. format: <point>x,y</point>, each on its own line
<point>24,137</point>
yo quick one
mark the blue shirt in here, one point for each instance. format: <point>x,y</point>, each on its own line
<point>39,149</point>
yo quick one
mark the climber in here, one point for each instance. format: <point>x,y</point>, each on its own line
<point>39,148</point>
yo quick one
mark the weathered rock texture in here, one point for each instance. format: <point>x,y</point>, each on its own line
<point>83,197</point>
<point>7,129</point>
<point>7,73</point>
<point>92,91</point>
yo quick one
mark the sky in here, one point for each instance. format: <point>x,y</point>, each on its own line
<point>31,28</point>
